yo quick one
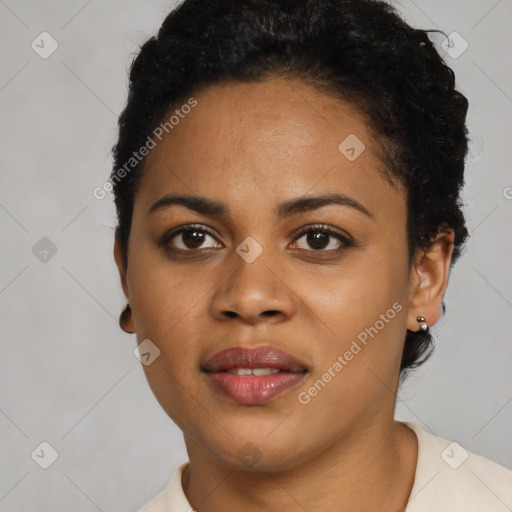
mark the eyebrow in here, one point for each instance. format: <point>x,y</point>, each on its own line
<point>289,208</point>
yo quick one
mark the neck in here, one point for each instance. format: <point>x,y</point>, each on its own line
<point>370,469</point>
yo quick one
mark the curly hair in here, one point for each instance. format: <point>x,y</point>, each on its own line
<point>361,51</point>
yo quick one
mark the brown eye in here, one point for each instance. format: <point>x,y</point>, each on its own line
<point>317,239</point>
<point>190,238</point>
<point>193,239</point>
<point>321,239</point>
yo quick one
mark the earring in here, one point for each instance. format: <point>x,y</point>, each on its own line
<point>423,327</point>
<point>123,318</point>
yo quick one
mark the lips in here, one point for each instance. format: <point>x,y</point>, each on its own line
<point>253,375</point>
<point>259,357</point>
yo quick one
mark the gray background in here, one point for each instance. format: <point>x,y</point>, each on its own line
<point>68,373</point>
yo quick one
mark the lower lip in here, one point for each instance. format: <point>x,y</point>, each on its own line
<point>252,389</point>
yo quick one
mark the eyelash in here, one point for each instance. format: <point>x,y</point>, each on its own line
<point>345,241</point>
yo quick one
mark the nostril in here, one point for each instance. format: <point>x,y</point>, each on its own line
<point>234,314</point>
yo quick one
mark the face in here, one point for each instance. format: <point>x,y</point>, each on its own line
<point>326,281</point>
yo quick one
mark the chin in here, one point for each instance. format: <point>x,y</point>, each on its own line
<point>258,450</point>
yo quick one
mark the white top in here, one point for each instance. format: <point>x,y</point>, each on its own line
<point>448,478</point>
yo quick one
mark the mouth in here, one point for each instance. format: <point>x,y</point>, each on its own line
<point>253,375</point>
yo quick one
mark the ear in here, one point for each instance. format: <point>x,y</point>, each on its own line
<point>118,257</point>
<point>429,279</point>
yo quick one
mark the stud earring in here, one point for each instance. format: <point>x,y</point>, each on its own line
<point>424,326</point>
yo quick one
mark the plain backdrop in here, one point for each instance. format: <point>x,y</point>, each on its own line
<point>69,377</point>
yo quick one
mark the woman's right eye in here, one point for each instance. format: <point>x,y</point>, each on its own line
<point>190,238</point>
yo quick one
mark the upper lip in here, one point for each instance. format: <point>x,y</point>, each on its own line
<point>257,357</point>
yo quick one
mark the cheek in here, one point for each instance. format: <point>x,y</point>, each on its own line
<point>361,308</point>
<point>161,294</point>
<point>358,362</point>
<point>169,308</point>
<point>354,296</point>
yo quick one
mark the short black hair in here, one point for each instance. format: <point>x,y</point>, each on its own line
<point>361,51</point>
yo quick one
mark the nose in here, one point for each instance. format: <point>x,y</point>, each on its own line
<point>253,293</point>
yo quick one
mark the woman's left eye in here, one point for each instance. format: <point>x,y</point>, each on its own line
<point>321,239</point>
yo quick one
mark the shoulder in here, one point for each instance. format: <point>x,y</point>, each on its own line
<point>157,504</point>
<point>172,498</point>
<point>450,477</point>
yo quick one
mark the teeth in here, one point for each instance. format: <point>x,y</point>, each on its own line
<point>255,371</point>
<point>265,371</point>
<point>240,371</point>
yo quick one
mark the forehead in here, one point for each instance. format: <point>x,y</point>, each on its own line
<point>279,137</point>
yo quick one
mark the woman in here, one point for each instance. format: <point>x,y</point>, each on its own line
<point>287,182</point>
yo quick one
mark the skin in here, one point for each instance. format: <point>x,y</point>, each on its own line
<point>253,146</point>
